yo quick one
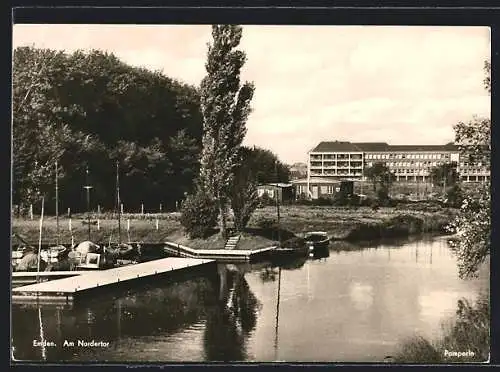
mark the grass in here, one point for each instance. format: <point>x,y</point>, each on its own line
<point>468,333</point>
<point>338,222</point>
<point>140,230</point>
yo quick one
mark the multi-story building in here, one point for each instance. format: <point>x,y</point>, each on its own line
<point>410,163</point>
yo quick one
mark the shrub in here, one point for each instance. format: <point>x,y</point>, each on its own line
<point>303,201</point>
<point>321,201</point>
<point>267,223</point>
<point>418,350</point>
<point>294,242</point>
<point>469,330</point>
<point>383,195</point>
<point>199,215</point>
<point>454,196</point>
<point>266,200</point>
<point>244,202</point>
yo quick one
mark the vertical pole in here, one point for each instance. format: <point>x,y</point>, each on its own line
<point>40,243</point>
<point>57,206</point>
<point>119,205</point>
<point>444,182</point>
<point>277,316</point>
<point>142,209</point>
<point>31,211</point>
<point>128,230</point>
<point>309,195</point>
<point>277,202</point>
<point>88,202</point>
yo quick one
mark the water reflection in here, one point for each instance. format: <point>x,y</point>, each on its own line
<point>154,312</point>
<point>353,303</point>
<point>234,317</point>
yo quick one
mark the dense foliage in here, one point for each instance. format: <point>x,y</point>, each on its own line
<point>473,224</point>
<point>382,179</point>
<point>89,109</point>
<point>199,214</point>
<point>444,175</point>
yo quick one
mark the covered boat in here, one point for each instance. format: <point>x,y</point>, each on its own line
<point>317,240</point>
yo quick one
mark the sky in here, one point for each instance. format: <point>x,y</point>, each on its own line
<point>394,84</point>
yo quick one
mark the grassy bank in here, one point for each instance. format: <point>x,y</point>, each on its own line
<point>340,223</point>
<point>356,223</point>
<point>467,333</point>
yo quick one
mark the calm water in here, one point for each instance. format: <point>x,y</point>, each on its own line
<point>356,304</point>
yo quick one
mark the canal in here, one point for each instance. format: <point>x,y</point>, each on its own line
<point>355,303</point>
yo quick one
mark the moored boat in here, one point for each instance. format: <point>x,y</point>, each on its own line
<point>316,240</point>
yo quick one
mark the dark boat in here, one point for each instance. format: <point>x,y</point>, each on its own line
<point>317,240</point>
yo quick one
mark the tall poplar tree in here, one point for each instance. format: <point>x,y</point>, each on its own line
<point>225,105</point>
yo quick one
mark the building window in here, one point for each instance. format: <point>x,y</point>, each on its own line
<point>330,189</point>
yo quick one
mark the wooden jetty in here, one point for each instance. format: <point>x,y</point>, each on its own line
<point>30,277</point>
<point>67,290</point>
<point>220,255</point>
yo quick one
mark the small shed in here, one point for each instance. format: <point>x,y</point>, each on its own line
<point>284,191</point>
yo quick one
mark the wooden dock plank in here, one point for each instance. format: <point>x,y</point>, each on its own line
<point>100,278</point>
<point>46,274</point>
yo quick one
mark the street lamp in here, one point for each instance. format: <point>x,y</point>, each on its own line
<point>88,187</point>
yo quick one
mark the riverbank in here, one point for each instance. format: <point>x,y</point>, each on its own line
<point>340,223</point>
<point>465,337</point>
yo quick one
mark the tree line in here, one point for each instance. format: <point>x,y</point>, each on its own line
<point>89,111</point>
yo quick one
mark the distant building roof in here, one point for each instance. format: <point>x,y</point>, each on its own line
<point>284,185</point>
<point>337,146</point>
<point>372,146</point>
<point>316,180</point>
<point>345,146</point>
<point>447,147</point>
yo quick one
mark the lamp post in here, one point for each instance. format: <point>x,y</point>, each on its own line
<point>277,196</point>
<point>88,187</point>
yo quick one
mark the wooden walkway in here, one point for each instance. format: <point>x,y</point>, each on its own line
<point>220,255</point>
<point>68,289</point>
<point>30,277</point>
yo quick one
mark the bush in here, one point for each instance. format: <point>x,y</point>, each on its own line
<point>303,201</point>
<point>199,215</point>
<point>321,201</point>
<point>267,223</point>
<point>383,196</point>
<point>294,242</point>
<point>454,196</point>
<point>266,200</point>
<point>418,350</point>
<point>469,330</point>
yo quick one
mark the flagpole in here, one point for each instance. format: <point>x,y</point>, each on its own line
<point>57,206</point>
<point>118,203</point>
<point>40,243</point>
